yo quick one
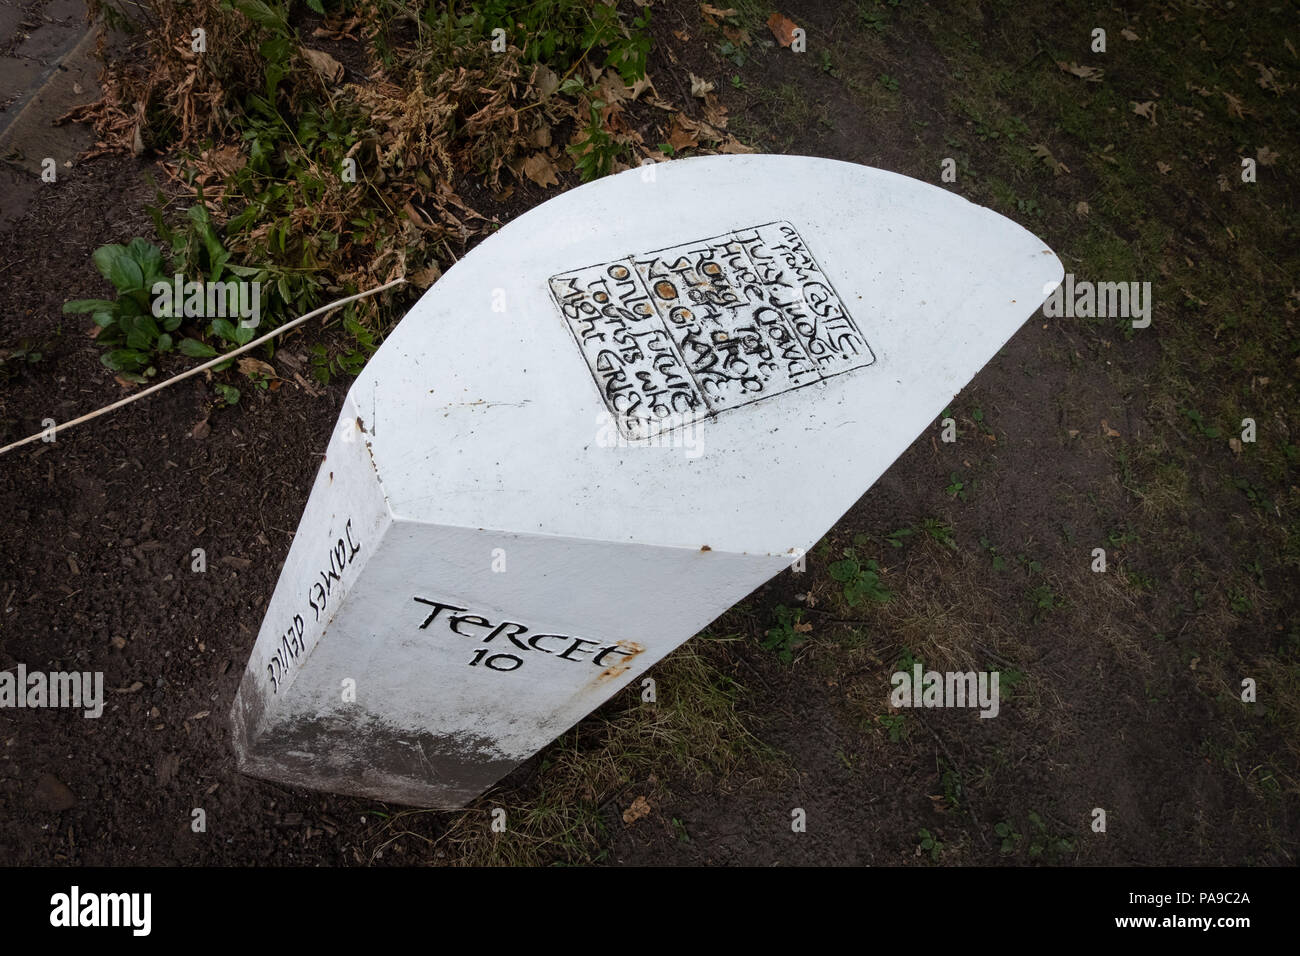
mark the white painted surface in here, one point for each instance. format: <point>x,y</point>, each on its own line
<point>485,430</point>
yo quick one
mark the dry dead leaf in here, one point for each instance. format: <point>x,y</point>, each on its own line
<point>1267,80</point>
<point>715,114</point>
<point>733,146</point>
<point>782,28</point>
<point>1129,35</point>
<point>700,86</point>
<point>1090,73</point>
<point>679,137</point>
<point>702,130</point>
<point>640,86</point>
<point>640,808</point>
<point>251,366</point>
<point>709,12</point>
<point>1163,167</point>
<point>1234,106</point>
<point>423,278</point>
<point>1050,161</point>
<point>1266,156</point>
<point>611,87</point>
<point>413,214</point>
<point>1082,208</point>
<point>1107,430</point>
<point>324,64</point>
<point>339,29</point>
<point>224,160</point>
<point>1235,445</point>
<point>1146,110</point>
<point>539,168</point>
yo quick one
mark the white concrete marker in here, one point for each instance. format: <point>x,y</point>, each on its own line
<point>607,424</point>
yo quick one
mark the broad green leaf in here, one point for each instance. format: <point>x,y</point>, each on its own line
<point>124,360</point>
<point>224,329</point>
<point>260,13</point>
<point>218,263</point>
<point>125,273</point>
<point>147,256</point>
<point>81,306</point>
<point>138,338</point>
<point>196,349</point>
<point>105,256</point>
<point>844,570</point>
<point>148,326</point>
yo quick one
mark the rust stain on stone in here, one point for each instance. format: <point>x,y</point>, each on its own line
<point>633,649</point>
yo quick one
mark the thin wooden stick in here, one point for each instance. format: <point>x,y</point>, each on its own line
<point>55,429</point>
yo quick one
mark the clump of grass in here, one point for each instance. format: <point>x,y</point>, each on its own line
<point>326,181</point>
<point>694,730</point>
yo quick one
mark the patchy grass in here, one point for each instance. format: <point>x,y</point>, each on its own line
<point>694,731</point>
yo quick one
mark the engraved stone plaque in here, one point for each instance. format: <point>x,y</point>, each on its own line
<point>686,332</point>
